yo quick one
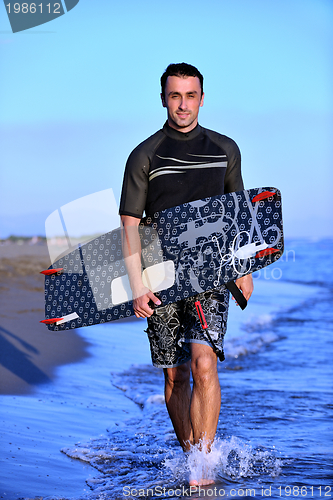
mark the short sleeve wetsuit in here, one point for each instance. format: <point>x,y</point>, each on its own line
<point>168,169</point>
<point>171,168</point>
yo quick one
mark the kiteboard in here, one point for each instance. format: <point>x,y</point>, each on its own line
<point>185,250</point>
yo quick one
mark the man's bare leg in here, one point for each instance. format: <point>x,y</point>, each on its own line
<point>206,400</point>
<point>206,394</point>
<point>178,400</point>
<point>194,416</point>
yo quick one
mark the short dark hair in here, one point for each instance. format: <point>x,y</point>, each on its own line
<point>180,69</point>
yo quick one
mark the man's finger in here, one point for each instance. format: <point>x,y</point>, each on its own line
<point>142,308</point>
<point>154,299</point>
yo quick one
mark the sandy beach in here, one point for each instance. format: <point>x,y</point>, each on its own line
<point>29,356</point>
<point>55,387</point>
<point>29,353</point>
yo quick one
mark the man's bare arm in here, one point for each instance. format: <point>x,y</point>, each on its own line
<point>132,253</point>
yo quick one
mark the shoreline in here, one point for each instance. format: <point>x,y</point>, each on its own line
<point>55,387</point>
<point>30,360</point>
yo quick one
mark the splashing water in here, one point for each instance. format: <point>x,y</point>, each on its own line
<point>228,459</point>
<point>135,465</point>
<point>143,454</point>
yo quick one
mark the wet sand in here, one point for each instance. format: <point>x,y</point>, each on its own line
<point>55,387</point>
<point>31,434</point>
<point>29,352</point>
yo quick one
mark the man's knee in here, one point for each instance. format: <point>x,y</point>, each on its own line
<point>203,365</point>
<point>178,375</point>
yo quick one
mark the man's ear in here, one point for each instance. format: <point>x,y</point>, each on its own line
<point>202,99</point>
<point>163,101</point>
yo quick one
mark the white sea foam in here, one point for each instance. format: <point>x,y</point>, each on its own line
<point>252,329</point>
<point>255,322</point>
<point>156,399</point>
<point>229,459</point>
<point>248,343</point>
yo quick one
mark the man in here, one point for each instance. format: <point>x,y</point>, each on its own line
<point>182,162</point>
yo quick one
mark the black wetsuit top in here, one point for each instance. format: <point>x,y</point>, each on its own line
<point>171,168</point>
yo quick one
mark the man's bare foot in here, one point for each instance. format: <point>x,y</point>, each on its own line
<point>201,463</point>
<point>201,482</point>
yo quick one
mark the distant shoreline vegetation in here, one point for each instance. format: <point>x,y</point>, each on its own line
<point>21,240</point>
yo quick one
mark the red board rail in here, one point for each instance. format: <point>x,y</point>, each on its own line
<point>267,251</point>
<point>48,272</point>
<point>263,196</point>
<point>50,321</point>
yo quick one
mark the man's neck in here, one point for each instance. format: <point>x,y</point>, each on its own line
<point>181,136</point>
<point>183,130</point>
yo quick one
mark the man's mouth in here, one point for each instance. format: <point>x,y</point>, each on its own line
<point>183,115</point>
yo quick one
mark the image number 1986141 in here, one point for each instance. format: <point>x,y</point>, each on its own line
<point>26,15</point>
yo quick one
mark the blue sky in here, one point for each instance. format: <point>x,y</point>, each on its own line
<point>79,93</point>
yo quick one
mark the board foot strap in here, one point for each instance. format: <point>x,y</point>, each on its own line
<point>237,294</point>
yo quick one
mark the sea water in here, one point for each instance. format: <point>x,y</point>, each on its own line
<point>274,435</point>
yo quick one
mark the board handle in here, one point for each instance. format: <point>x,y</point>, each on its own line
<point>237,294</point>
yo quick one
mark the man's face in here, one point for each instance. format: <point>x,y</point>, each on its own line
<point>182,100</point>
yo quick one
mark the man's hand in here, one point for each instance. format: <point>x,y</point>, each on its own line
<point>132,253</point>
<point>245,284</point>
<point>140,304</point>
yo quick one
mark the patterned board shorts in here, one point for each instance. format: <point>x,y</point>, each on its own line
<point>173,327</point>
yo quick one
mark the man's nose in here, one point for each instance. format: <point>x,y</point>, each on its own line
<point>183,103</point>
